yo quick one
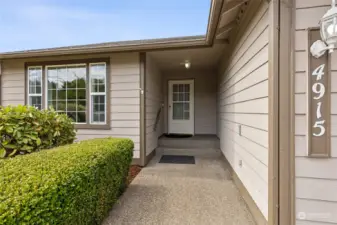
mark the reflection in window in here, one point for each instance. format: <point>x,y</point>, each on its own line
<point>35,86</point>
<point>67,90</point>
<point>78,90</point>
<point>98,92</point>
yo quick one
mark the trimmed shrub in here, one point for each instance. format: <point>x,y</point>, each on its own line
<point>25,129</point>
<point>74,184</point>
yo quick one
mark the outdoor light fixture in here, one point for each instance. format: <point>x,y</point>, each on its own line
<point>328,25</point>
<point>187,64</point>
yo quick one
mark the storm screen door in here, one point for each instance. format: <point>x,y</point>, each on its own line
<point>181,107</point>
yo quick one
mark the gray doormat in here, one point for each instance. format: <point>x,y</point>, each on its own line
<point>177,159</point>
<point>178,135</point>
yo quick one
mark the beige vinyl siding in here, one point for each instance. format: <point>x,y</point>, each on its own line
<point>204,97</point>
<point>243,108</point>
<point>153,102</point>
<point>316,179</point>
<point>124,93</point>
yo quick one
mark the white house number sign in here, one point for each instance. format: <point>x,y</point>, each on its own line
<point>318,103</point>
<point>318,90</point>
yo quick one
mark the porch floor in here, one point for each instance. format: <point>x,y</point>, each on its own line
<point>169,194</point>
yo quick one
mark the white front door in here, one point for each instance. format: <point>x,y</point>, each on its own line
<point>181,107</point>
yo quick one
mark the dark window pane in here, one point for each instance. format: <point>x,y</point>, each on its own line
<point>81,117</point>
<point>187,88</point>
<point>98,110</point>
<point>31,90</point>
<point>81,83</point>
<point>187,97</point>
<point>52,104</point>
<point>181,97</point>
<point>94,88</point>
<point>71,105</point>
<point>175,88</point>
<point>38,90</point>
<point>175,97</point>
<point>61,106</point>
<point>72,115</point>
<point>178,111</point>
<point>81,105</point>
<point>52,84</point>
<point>96,118</point>
<point>71,94</point>
<point>51,94</point>
<point>181,88</point>
<point>35,101</point>
<point>102,117</point>
<point>61,94</point>
<point>101,88</point>
<point>81,94</point>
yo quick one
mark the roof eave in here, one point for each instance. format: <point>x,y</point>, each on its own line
<point>106,49</point>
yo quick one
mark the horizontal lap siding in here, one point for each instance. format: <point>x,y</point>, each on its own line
<point>153,102</point>
<point>124,93</point>
<point>316,179</point>
<point>243,109</point>
<point>13,83</point>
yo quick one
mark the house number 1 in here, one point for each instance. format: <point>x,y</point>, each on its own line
<point>319,90</point>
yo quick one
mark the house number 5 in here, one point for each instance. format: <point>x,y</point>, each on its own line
<point>319,89</point>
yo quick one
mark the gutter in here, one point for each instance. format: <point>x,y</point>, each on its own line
<point>129,46</point>
<point>213,20</point>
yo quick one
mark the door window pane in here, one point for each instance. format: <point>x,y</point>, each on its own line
<point>181,102</point>
<point>175,88</point>
<point>178,111</point>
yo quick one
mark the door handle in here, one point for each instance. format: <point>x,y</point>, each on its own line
<point>169,106</point>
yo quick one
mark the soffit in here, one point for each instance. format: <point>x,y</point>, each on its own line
<point>199,57</point>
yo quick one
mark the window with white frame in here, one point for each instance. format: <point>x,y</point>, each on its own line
<point>78,90</point>
<point>97,74</point>
<point>35,86</point>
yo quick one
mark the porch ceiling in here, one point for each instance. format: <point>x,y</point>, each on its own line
<point>199,57</point>
<point>228,20</point>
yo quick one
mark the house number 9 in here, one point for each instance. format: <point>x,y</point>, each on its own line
<point>319,89</point>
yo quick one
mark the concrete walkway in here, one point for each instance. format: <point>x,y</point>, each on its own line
<point>169,194</point>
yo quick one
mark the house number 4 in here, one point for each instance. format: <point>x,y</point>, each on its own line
<point>319,90</point>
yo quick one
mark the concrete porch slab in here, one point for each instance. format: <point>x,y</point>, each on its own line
<point>169,194</point>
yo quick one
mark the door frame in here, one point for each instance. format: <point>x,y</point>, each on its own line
<point>192,113</point>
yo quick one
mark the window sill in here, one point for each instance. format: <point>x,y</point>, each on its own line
<point>93,126</point>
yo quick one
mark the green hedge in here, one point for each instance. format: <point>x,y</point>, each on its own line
<point>74,184</point>
<point>25,129</point>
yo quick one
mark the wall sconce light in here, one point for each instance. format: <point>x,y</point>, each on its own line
<point>328,26</point>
